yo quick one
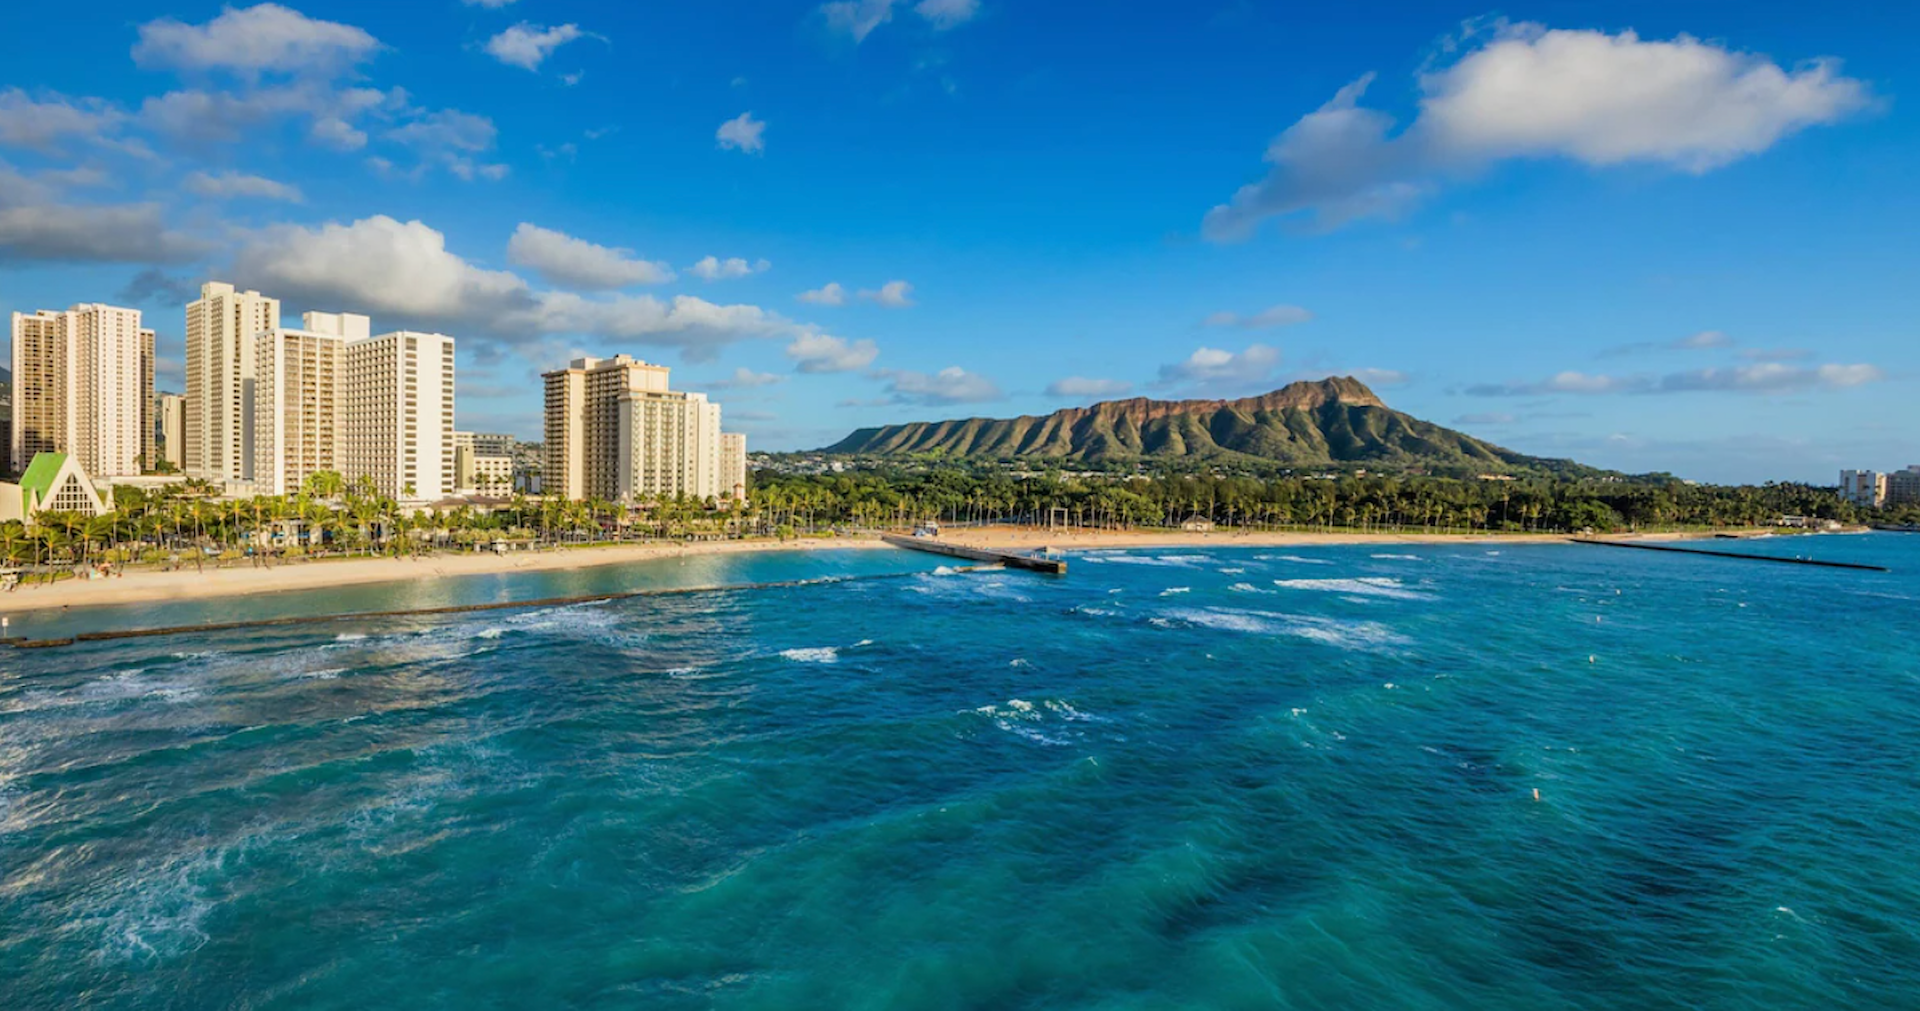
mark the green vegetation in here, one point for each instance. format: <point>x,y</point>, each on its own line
<point>1379,502</point>
<point>185,524</point>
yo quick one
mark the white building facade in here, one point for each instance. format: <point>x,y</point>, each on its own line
<point>299,412</point>
<point>83,385</point>
<point>733,465</point>
<point>222,327</point>
<point>616,431</point>
<point>399,397</point>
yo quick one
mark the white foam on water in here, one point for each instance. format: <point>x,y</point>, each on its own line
<point>863,642</point>
<point>325,674</point>
<point>1175,591</point>
<point>1233,572</point>
<point>1040,723</point>
<point>1364,586</point>
<point>814,654</point>
<point>349,637</point>
<point>1300,560</point>
<point>946,570</point>
<point>489,633</point>
<point>1246,588</point>
<point>1399,558</point>
<point>1368,635</point>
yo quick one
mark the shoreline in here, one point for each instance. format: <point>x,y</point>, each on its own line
<point>154,587</point>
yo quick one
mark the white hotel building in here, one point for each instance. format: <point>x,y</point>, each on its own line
<point>267,406</point>
<point>83,385</point>
<point>615,431</point>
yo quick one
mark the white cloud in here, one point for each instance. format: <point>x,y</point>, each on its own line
<point>951,385</point>
<point>1077,386</point>
<point>742,133</point>
<point>1702,340</point>
<point>229,185</point>
<point>197,116</point>
<point>1530,92</point>
<point>528,45</point>
<point>1380,377</point>
<point>563,259</point>
<point>253,41</point>
<point>378,265</point>
<point>337,134</point>
<point>829,294</point>
<point>35,228</point>
<point>745,379</point>
<point>892,295</point>
<point>1277,316</point>
<point>1213,366</point>
<point>446,129</point>
<point>945,14</point>
<point>818,352</point>
<point>857,18</point>
<point>404,271</point>
<point>712,268</point>
<point>40,123</point>
<point>1764,377</point>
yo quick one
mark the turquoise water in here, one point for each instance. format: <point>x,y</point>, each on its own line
<point>1295,778</point>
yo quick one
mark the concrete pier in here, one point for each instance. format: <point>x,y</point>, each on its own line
<point>1053,566</point>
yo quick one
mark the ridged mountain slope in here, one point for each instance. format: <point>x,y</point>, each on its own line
<point>1334,420</point>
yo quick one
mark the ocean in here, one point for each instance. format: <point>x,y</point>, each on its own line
<point>1399,777</point>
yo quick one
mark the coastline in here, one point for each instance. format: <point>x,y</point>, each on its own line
<point>149,586</point>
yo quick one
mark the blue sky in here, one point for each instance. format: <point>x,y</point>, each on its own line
<point>1653,236</point>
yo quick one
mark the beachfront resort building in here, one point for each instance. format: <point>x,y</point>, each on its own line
<point>53,482</point>
<point>1903,487</point>
<point>83,386</point>
<point>299,414</point>
<point>733,465</point>
<point>169,430</point>
<point>483,462</point>
<point>616,431</point>
<point>222,330</point>
<point>1864,488</point>
<point>399,414</point>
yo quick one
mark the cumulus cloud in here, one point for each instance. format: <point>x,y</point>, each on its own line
<point>231,185</point>
<point>744,378</point>
<point>1529,92</point>
<point>1078,386</point>
<point>829,294</point>
<point>36,227</point>
<point>41,123</point>
<point>951,385</point>
<point>565,260</point>
<point>1217,367</point>
<point>858,18</point>
<point>528,45</point>
<point>1265,319</point>
<point>742,133</point>
<point>891,295</point>
<point>818,352</point>
<point>712,268</point>
<point>404,271</point>
<point>453,139</point>
<point>1765,377</point>
<point>254,41</point>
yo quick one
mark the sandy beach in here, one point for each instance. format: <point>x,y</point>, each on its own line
<point>146,586</point>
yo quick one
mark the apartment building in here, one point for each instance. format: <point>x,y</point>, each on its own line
<point>733,465</point>
<point>1864,488</point>
<point>668,445</point>
<point>222,327</point>
<point>399,395</point>
<point>169,429</point>
<point>83,385</point>
<point>478,466</point>
<point>299,412</point>
<point>1903,486</point>
<point>583,422</point>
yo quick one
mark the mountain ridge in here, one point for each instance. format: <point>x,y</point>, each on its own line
<point>1336,420</point>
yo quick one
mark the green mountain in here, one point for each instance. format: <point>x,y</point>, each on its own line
<point>1337,420</point>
